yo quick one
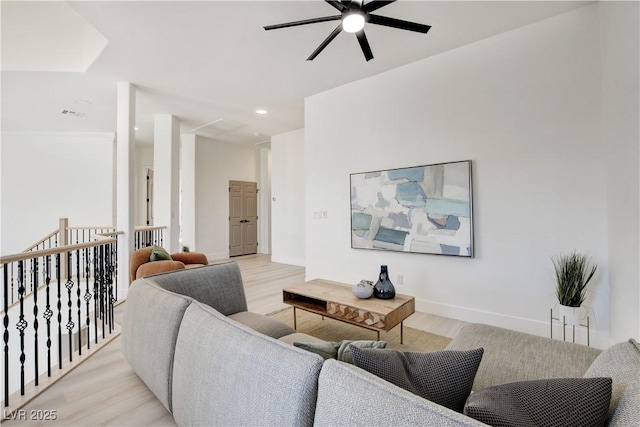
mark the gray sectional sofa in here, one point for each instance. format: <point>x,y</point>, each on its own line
<point>190,338</point>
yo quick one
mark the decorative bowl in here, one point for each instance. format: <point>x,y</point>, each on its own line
<point>363,289</point>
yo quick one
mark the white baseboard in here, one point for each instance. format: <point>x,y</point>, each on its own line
<point>217,255</point>
<point>530,326</point>
<point>288,260</point>
<point>479,316</point>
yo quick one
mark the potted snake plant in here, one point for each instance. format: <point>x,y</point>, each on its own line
<point>573,272</point>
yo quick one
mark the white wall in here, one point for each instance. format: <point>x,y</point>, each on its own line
<point>620,62</point>
<point>166,178</point>
<point>288,198</point>
<point>216,164</point>
<point>188,191</point>
<point>264,206</point>
<point>525,107</point>
<point>47,176</point>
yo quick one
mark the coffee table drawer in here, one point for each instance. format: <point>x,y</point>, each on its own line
<point>355,315</point>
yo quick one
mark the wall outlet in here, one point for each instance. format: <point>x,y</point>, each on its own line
<point>324,214</point>
<point>400,279</point>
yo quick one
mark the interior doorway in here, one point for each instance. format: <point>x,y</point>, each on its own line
<point>243,218</point>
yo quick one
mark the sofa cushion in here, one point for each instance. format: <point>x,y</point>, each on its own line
<point>150,327</point>
<point>217,285</point>
<point>159,254</point>
<point>511,356</point>
<point>226,374</point>
<point>444,377</point>
<point>558,402</point>
<point>621,362</point>
<point>350,396</point>
<point>263,324</point>
<point>338,350</point>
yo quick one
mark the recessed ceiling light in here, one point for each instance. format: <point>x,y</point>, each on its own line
<point>83,102</point>
<point>261,111</point>
<point>136,128</point>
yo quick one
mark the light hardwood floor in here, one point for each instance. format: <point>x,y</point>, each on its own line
<point>105,391</point>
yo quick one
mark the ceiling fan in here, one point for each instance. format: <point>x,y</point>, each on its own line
<point>354,14</point>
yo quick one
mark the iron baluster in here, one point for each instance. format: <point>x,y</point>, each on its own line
<point>34,269</point>
<point>22,324</point>
<point>110,285</point>
<point>102,291</point>
<point>115,265</point>
<point>83,261</point>
<point>87,298</point>
<point>69,285</point>
<point>5,321</point>
<point>59,305</point>
<point>78,301</point>
<point>95,293</point>
<point>12,287</point>
<point>31,276</point>
<point>47,312</point>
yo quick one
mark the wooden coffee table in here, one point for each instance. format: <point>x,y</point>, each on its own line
<point>336,301</point>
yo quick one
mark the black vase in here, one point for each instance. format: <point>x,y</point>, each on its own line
<point>383,288</point>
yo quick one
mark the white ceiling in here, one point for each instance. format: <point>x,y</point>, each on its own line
<point>211,61</point>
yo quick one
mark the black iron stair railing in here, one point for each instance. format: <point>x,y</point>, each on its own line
<point>30,350</point>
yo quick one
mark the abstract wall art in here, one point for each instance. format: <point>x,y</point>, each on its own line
<point>421,209</point>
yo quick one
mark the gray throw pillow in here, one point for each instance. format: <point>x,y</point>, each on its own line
<point>338,350</point>
<point>443,377</point>
<point>327,350</point>
<point>559,402</point>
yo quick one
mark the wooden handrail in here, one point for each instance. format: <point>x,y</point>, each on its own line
<point>93,227</point>
<point>48,236</point>
<point>149,227</point>
<point>107,234</point>
<point>53,251</point>
<point>100,238</point>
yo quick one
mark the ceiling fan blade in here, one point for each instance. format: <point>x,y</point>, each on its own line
<point>338,5</point>
<point>303,22</point>
<point>364,45</point>
<point>326,41</point>
<point>398,23</point>
<point>376,4</point>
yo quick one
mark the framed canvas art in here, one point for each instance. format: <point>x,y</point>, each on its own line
<point>422,209</point>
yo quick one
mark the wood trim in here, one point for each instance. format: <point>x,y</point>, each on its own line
<point>149,227</point>
<point>53,251</point>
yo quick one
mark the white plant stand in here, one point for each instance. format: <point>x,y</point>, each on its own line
<point>564,324</point>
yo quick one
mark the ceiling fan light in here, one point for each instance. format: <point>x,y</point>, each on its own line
<point>353,22</point>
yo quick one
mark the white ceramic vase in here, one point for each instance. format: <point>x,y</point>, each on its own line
<point>572,315</point>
